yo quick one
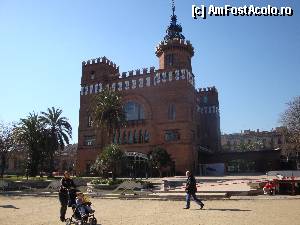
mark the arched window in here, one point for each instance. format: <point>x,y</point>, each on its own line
<point>119,137</point>
<point>135,136</point>
<point>140,136</point>
<point>133,111</point>
<point>124,137</point>
<point>171,112</point>
<point>90,121</point>
<point>130,137</point>
<point>115,138</point>
<point>170,59</point>
<point>146,136</point>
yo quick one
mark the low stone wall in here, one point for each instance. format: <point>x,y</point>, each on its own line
<point>26,184</point>
<point>40,184</point>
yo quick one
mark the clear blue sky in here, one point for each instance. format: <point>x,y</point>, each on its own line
<point>253,61</point>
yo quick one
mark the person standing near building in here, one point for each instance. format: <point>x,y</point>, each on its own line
<point>66,184</point>
<point>191,190</point>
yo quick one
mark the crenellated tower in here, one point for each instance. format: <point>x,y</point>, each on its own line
<point>174,52</point>
<point>100,70</point>
<point>208,107</point>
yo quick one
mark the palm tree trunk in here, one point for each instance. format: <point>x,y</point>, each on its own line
<point>53,148</point>
<point>34,161</point>
<point>51,164</point>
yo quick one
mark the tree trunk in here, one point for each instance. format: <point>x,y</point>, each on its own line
<point>52,150</point>
<point>51,164</point>
<point>34,162</point>
<point>109,136</point>
<point>113,174</point>
<point>160,172</point>
<point>3,165</point>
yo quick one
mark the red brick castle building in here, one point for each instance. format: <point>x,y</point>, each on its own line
<point>162,106</point>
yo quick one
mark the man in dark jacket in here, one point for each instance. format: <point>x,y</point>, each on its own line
<point>66,184</point>
<point>191,190</point>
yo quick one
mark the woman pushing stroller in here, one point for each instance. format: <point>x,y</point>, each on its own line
<point>70,196</point>
<point>66,184</point>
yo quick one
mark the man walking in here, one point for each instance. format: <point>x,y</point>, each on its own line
<point>191,190</point>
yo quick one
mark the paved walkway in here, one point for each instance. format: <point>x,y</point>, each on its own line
<point>45,211</point>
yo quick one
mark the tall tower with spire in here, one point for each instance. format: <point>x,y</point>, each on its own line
<point>174,52</point>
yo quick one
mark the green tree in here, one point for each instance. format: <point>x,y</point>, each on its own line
<point>29,133</point>
<point>6,145</point>
<point>109,160</point>
<point>107,111</point>
<point>46,149</point>
<point>253,146</point>
<point>59,132</point>
<point>159,158</point>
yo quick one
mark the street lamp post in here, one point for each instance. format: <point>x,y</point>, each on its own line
<point>134,163</point>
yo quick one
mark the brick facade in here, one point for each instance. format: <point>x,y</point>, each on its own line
<point>169,111</point>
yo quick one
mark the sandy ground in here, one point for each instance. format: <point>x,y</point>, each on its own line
<point>44,211</point>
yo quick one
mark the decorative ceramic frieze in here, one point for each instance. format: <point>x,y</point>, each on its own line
<point>141,82</point>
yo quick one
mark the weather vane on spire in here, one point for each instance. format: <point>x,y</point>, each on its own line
<point>173,7</point>
<point>174,30</point>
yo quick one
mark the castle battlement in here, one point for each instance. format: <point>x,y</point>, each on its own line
<point>137,72</point>
<point>207,90</point>
<point>210,105</point>
<point>103,60</point>
<point>174,41</point>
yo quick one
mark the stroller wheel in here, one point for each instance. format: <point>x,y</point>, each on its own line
<point>68,221</point>
<point>93,221</point>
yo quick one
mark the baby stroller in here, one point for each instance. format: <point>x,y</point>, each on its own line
<point>76,218</point>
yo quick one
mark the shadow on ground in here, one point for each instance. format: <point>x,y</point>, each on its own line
<point>232,210</point>
<point>8,207</point>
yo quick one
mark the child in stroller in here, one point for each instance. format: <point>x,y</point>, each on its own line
<point>83,204</point>
<point>82,212</point>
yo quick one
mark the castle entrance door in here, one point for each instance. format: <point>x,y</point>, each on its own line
<point>137,165</point>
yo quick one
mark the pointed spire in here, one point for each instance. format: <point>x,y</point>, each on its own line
<point>173,7</point>
<point>174,30</point>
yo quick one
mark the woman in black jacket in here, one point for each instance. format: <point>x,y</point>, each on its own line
<point>191,190</point>
<point>66,184</point>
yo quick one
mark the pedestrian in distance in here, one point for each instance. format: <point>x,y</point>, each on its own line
<point>191,190</point>
<point>269,188</point>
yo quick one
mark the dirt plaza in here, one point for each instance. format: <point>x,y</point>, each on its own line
<point>45,210</point>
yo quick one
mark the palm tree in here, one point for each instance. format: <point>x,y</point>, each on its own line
<point>108,112</point>
<point>59,130</point>
<point>29,133</point>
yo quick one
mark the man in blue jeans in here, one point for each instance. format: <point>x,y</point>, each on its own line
<point>191,190</point>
